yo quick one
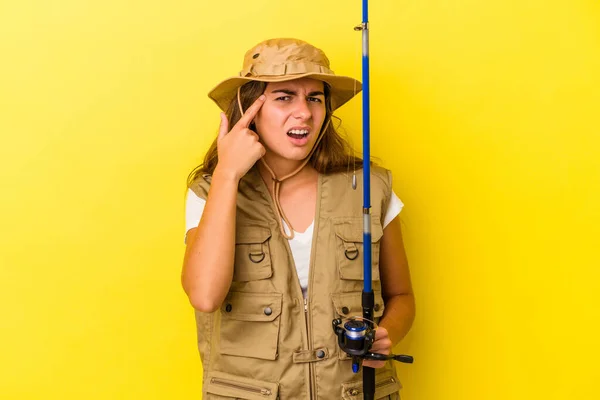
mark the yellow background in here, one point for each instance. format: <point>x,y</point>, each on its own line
<point>486,111</point>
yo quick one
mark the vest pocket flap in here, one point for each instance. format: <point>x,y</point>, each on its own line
<point>352,231</point>
<point>251,234</point>
<point>350,304</point>
<point>386,384</point>
<point>250,325</point>
<point>252,253</point>
<point>251,306</point>
<point>232,386</point>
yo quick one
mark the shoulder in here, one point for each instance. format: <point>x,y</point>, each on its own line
<point>340,183</point>
<point>201,185</point>
<point>380,177</point>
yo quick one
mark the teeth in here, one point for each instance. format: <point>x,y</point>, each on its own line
<point>299,131</point>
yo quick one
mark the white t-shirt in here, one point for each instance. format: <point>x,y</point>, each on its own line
<point>301,243</point>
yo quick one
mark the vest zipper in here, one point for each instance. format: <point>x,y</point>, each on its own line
<point>247,388</point>
<point>309,334</point>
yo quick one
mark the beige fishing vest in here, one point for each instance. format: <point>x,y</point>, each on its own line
<point>266,342</point>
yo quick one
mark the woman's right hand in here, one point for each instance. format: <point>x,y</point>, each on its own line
<point>239,149</point>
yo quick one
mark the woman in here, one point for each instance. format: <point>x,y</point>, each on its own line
<point>274,237</point>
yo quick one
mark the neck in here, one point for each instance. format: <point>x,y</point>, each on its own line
<point>283,168</point>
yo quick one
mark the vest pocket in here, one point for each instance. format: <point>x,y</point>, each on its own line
<point>349,247</point>
<point>387,386</point>
<point>250,325</point>
<point>219,385</point>
<point>252,253</point>
<point>350,304</point>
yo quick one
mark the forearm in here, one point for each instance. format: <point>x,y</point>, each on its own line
<point>209,258</point>
<point>398,316</point>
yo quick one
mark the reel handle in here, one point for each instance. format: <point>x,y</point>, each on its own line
<point>383,357</point>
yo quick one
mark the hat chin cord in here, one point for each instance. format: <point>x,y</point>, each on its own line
<point>275,190</point>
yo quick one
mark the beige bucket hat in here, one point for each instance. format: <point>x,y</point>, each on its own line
<point>279,60</point>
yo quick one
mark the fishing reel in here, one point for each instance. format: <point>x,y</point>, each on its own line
<point>355,338</point>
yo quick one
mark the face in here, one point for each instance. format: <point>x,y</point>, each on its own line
<point>290,120</point>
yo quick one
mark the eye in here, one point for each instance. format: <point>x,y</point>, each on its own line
<point>284,98</point>
<point>315,100</point>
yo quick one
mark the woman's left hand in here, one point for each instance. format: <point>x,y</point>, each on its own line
<point>381,345</point>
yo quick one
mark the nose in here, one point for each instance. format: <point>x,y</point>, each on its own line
<point>302,110</point>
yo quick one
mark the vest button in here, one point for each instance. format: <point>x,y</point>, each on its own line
<point>228,308</point>
<point>345,310</point>
<point>320,354</point>
<point>377,307</point>
<point>268,311</point>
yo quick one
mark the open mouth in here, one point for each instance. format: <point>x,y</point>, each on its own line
<point>298,133</point>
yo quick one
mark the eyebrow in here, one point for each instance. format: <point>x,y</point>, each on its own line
<point>293,93</point>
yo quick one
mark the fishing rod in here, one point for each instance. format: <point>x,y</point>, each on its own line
<point>356,335</point>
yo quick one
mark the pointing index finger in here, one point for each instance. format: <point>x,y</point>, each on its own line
<point>251,112</point>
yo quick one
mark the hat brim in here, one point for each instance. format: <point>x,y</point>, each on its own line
<point>343,88</point>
